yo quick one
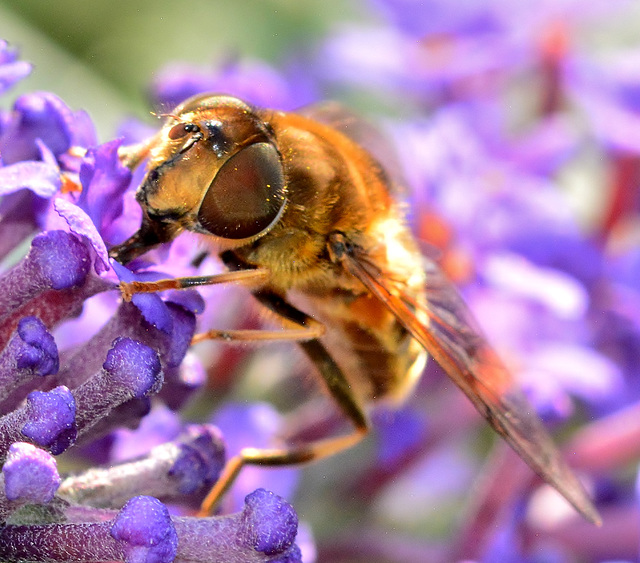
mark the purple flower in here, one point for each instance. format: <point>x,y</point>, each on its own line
<point>30,351</point>
<point>49,419</point>
<point>11,70</point>
<point>180,471</point>
<point>30,474</point>
<point>41,118</point>
<point>263,531</point>
<point>77,366</point>
<point>104,181</point>
<point>144,530</point>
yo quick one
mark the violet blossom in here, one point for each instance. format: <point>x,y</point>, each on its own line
<point>78,367</point>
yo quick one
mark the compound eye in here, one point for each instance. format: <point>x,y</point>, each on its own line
<point>247,195</point>
<point>182,130</point>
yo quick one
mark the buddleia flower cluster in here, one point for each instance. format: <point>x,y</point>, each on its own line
<point>78,365</point>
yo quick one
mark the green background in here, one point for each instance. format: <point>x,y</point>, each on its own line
<point>101,55</point>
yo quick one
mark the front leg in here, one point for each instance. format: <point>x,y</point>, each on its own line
<point>247,278</point>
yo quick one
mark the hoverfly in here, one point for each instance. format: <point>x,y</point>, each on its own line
<point>305,218</point>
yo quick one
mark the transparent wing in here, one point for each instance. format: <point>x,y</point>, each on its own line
<point>454,341</point>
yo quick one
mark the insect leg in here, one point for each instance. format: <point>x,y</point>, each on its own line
<point>244,277</point>
<point>315,330</point>
<point>338,387</point>
<point>310,329</point>
<point>305,327</point>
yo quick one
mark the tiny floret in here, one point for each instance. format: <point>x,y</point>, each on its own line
<point>63,260</point>
<point>39,352</point>
<point>51,419</point>
<point>270,524</point>
<point>133,364</point>
<point>144,527</point>
<point>30,474</point>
